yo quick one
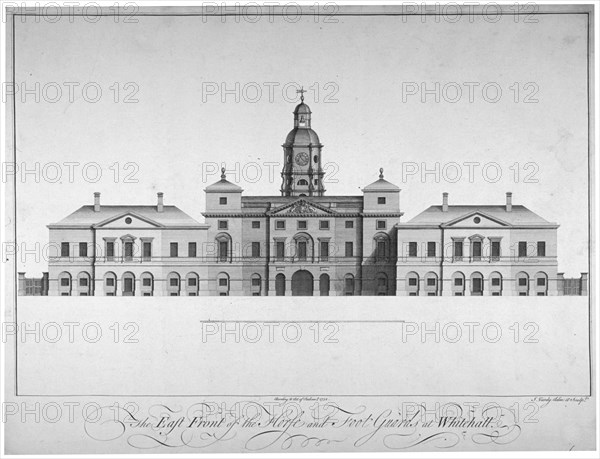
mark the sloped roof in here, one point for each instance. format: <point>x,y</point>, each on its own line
<point>223,185</point>
<point>170,216</point>
<point>519,215</point>
<point>381,185</point>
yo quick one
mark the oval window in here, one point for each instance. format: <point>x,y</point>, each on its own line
<point>128,220</point>
<point>477,220</point>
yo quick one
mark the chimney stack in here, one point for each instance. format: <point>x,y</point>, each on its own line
<point>159,206</point>
<point>96,202</point>
<point>509,201</point>
<point>445,202</point>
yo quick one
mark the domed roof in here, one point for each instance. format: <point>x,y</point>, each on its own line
<point>302,109</point>
<point>302,136</point>
<point>223,185</point>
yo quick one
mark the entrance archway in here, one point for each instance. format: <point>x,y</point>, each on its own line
<point>302,283</point>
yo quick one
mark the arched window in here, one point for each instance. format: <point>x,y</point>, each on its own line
<point>348,285</point>
<point>302,182</point>
<point>495,284</point>
<point>324,285</point>
<point>381,243</point>
<point>84,284</point>
<point>223,286</point>
<point>110,284</point>
<point>280,285</point>
<point>224,247</point>
<point>541,283</point>
<point>412,284</point>
<point>192,282</point>
<point>476,284</point>
<point>173,284</point>
<point>458,284</point>
<point>64,284</point>
<point>304,246</point>
<point>147,284</point>
<point>381,284</point>
<point>256,284</point>
<point>128,284</point>
<point>522,283</point>
<point>431,284</point>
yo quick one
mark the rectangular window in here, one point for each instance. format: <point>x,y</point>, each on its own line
<point>324,224</point>
<point>128,251</point>
<point>541,294</point>
<point>412,281</point>
<point>431,282</point>
<point>192,282</point>
<point>458,281</point>
<point>256,294</point>
<point>222,201</point>
<point>85,294</point>
<point>192,249</point>
<point>223,294</point>
<point>256,282</point>
<point>255,249</point>
<point>522,281</point>
<point>174,282</point>
<point>223,225</point>
<point>522,293</point>
<point>495,250</point>
<point>192,294</point>
<point>349,249</point>
<point>324,250</point>
<point>223,250</point>
<point>64,294</point>
<point>110,282</point>
<point>412,249</point>
<point>174,249</point>
<point>255,224</point>
<point>223,282</point>
<point>495,281</point>
<point>147,282</point>
<point>495,293</point>
<point>64,249</point>
<point>458,294</point>
<point>431,249</point>
<point>476,250</point>
<point>110,250</point>
<point>174,294</point>
<point>541,281</point>
<point>83,249</point>
<point>280,249</point>
<point>110,294</point>
<point>522,249</point>
<point>302,250</point>
<point>349,224</point>
<point>280,224</point>
<point>412,294</point>
<point>381,249</point>
<point>83,282</point>
<point>541,249</point>
<point>458,250</point>
<point>302,224</point>
<point>147,250</point>
<point>381,200</point>
<point>381,224</point>
<point>147,294</point>
<point>431,294</point>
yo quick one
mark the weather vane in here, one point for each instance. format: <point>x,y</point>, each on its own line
<point>301,91</point>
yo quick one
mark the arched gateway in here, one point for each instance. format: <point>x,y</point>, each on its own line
<point>302,283</point>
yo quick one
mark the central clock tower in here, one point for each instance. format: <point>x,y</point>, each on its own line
<point>302,173</point>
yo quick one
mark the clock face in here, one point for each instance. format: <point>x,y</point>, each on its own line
<point>302,158</point>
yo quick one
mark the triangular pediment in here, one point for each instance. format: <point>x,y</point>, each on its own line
<point>476,219</point>
<point>301,207</point>
<point>122,221</point>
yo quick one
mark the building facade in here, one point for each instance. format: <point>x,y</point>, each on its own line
<point>302,242</point>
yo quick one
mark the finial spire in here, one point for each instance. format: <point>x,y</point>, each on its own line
<point>223,173</point>
<point>301,91</point>
<point>381,172</point>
